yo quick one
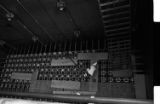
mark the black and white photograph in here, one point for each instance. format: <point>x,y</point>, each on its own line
<point>79,52</point>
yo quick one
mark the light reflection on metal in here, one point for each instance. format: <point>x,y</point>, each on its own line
<point>86,99</point>
<point>35,38</point>
<point>61,5</point>
<point>77,33</point>
<point>10,16</point>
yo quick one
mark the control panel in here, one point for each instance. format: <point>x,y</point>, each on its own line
<point>54,73</point>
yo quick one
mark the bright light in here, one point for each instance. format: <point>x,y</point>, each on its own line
<point>156,6</point>
<point>156,94</point>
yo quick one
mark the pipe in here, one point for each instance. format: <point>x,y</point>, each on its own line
<point>52,19</point>
<point>35,20</point>
<point>1,6</point>
<point>28,30</point>
<point>22,24</point>
<point>86,99</point>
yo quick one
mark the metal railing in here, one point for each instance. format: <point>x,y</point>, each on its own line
<point>83,99</point>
